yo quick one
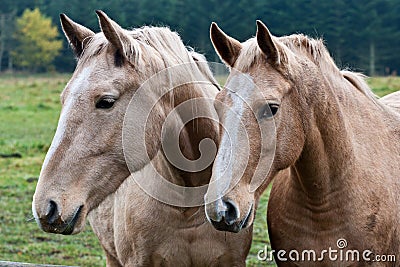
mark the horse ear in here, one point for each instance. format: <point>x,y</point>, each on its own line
<point>226,47</point>
<point>113,32</point>
<point>266,44</point>
<point>75,33</point>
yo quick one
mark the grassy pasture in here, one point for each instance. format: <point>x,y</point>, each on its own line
<point>29,109</point>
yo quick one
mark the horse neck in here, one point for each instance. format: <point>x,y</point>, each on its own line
<point>193,132</point>
<point>336,135</point>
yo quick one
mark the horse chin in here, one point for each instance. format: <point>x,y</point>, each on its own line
<point>77,224</point>
<point>221,226</point>
<point>248,219</point>
<point>76,230</point>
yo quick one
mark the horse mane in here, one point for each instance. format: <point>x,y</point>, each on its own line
<point>358,81</point>
<point>165,40</point>
<point>203,66</point>
<point>144,41</point>
<point>314,49</point>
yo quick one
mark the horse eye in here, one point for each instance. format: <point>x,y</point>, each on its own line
<point>105,102</point>
<point>269,110</point>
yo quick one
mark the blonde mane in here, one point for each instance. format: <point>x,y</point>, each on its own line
<point>144,43</point>
<point>301,45</point>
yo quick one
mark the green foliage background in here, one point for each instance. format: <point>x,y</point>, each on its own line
<point>360,34</point>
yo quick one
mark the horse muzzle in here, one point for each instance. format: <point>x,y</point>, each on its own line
<point>224,215</point>
<point>52,221</point>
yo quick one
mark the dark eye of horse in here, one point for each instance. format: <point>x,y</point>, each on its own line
<point>269,110</point>
<point>105,102</point>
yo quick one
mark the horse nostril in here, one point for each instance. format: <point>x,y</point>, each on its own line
<point>231,213</point>
<point>224,215</point>
<point>52,212</point>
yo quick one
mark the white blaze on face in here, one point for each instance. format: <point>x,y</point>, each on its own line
<point>75,86</point>
<point>232,147</point>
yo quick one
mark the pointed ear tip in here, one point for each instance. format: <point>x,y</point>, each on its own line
<point>262,27</point>
<point>63,16</point>
<point>100,13</point>
<point>215,29</point>
<point>214,26</point>
<point>260,24</point>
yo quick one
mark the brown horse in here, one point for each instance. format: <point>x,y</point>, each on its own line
<point>113,138</point>
<point>331,147</point>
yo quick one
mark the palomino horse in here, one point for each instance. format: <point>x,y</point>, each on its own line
<point>85,169</point>
<point>331,147</point>
<point>392,100</point>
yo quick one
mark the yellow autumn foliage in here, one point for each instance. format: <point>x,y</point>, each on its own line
<point>37,43</point>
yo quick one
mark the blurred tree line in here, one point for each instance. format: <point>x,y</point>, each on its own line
<point>361,35</point>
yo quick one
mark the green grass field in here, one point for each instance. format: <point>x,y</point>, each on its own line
<point>29,109</point>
